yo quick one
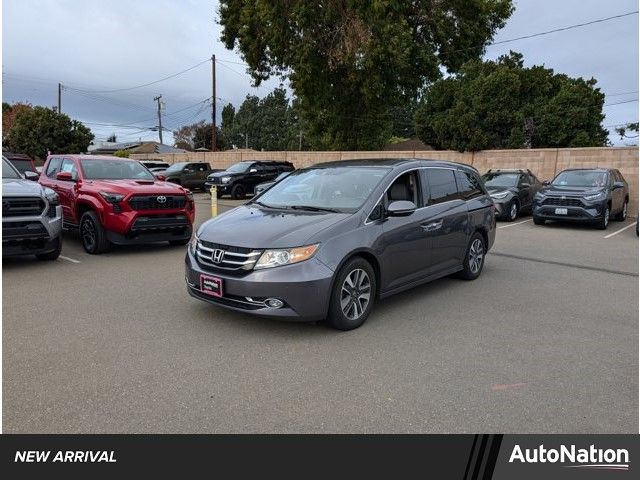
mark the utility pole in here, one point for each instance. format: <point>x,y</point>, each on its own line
<point>157,99</point>
<point>246,141</point>
<point>213,103</point>
<point>59,98</point>
<point>300,141</point>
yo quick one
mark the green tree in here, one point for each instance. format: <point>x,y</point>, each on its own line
<point>197,135</point>
<point>10,114</point>
<point>347,62</point>
<point>629,127</point>
<point>502,104</point>
<point>42,129</point>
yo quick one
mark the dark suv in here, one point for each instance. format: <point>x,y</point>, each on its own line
<point>190,175</point>
<point>326,241</point>
<point>512,191</point>
<point>583,195</point>
<point>242,178</point>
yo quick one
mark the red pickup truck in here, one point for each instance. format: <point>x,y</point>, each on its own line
<point>118,201</point>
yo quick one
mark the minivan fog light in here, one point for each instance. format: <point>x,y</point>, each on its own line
<point>273,303</point>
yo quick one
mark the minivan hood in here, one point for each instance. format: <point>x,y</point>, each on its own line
<point>571,191</point>
<point>14,186</point>
<point>251,226</point>
<point>135,186</point>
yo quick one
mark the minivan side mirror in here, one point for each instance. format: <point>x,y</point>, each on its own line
<point>617,185</point>
<point>64,176</point>
<point>401,208</point>
<point>29,175</point>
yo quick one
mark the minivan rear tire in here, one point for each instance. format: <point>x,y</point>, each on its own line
<point>356,270</point>
<point>477,246</point>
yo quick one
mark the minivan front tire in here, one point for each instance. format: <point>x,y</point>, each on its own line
<point>353,295</point>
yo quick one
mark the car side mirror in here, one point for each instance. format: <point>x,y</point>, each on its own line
<point>64,176</point>
<point>401,208</point>
<point>253,170</point>
<point>617,185</point>
<point>160,177</point>
<point>33,176</point>
<point>546,182</point>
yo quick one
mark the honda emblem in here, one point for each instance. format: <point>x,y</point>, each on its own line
<point>217,255</point>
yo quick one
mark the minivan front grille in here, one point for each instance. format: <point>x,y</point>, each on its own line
<point>22,206</point>
<point>157,202</point>
<point>214,256</point>
<point>563,202</point>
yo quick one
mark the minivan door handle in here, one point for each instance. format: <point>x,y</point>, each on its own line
<point>430,227</point>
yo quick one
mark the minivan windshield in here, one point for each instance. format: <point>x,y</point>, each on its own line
<point>343,189</point>
<point>492,180</point>
<point>581,178</point>
<point>115,170</point>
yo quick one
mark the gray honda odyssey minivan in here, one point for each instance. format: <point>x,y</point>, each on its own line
<point>329,240</point>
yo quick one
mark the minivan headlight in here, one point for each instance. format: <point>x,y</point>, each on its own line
<point>194,243</point>
<point>286,256</point>
<point>595,196</point>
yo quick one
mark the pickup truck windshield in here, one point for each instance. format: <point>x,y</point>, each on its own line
<point>115,170</point>
<point>8,171</point>
<point>176,167</point>
<point>342,189</point>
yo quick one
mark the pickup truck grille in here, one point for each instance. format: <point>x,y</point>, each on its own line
<point>22,206</point>
<point>23,231</point>
<point>563,202</point>
<point>214,256</point>
<point>157,202</point>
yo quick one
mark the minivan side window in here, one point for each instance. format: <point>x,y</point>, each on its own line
<point>442,185</point>
<point>54,167</point>
<point>468,185</point>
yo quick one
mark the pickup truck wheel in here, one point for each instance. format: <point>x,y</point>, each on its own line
<point>238,192</point>
<point>53,255</point>
<point>92,234</point>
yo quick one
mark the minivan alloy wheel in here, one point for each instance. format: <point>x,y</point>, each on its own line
<point>355,294</point>
<point>476,253</point>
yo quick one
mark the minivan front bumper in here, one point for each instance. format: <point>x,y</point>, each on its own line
<point>304,288</point>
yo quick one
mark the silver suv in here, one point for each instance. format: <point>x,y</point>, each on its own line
<point>31,216</point>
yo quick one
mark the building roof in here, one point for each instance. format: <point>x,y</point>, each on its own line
<point>133,147</point>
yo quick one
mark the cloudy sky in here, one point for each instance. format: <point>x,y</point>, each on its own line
<point>100,49</point>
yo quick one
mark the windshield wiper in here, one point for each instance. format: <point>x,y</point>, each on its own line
<point>311,208</point>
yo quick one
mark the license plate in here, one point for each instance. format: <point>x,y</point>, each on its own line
<point>561,211</point>
<point>211,285</point>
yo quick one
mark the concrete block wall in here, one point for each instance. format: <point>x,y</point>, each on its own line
<point>545,163</point>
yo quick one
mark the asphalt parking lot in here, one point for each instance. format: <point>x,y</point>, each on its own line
<point>545,341</point>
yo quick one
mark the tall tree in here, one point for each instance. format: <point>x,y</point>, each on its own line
<point>10,114</point>
<point>197,135</point>
<point>502,104</point>
<point>347,62</point>
<point>42,129</point>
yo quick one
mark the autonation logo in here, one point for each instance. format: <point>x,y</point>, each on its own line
<point>590,458</point>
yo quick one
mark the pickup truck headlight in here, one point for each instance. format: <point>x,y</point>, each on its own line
<point>500,194</point>
<point>112,197</point>
<point>595,196</point>
<point>225,179</point>
<point>285,256</point>
<point>52,197</point>
<point>189,195</point>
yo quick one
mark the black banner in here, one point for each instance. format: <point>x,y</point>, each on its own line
<point>465,457</point>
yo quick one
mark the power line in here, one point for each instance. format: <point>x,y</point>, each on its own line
<point>561,29</point>
<point>150,83</point>
<point>620,103</point>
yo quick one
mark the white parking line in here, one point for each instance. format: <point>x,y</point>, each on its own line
<point>72,260</point>
<point>621,230</point>
<point>514,224</point>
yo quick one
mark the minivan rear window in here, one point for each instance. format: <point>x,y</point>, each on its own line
<point>442,185</point>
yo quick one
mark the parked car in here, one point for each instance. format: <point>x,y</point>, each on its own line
<point>22,162</point>
<point>327,241</point>
<point>31,216</point>
<point>113,200</point>
<point>192,175</point>
<point>261,187</point>
<point>242,178</point>
<point>512,191</point>
<point>583,195</point>
<point>155,165</point>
